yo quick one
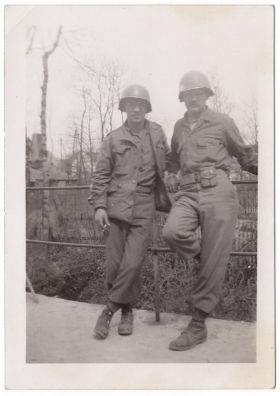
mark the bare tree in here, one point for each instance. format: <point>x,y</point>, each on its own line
<point>81,140</point>
<point>105,85</point>
<point>44,90</point>
<point>91,147</point>
<point>220,101</point>
<point>98,90</point>
<point>30,35</point>
<point>44,87</point>
<point>82,147</point>
<point>251,130</point>
<point>28,152</point>
<point>104,82</point>
<point>72,150</point>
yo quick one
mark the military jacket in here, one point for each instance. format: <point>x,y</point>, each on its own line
<point>116,175</point>
<point>214,140</point>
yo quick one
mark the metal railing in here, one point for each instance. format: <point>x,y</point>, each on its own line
<point>87,187</point>
<point>155,249</point>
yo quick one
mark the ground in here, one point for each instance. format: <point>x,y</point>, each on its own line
<point>61,331</point>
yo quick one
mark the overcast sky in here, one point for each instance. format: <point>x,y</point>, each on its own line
<point>157,45</point>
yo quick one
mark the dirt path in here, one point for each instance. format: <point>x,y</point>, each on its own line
<point>61,331</point>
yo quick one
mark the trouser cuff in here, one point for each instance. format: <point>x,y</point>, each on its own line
<point>199,315</point>
<point>113,307</point>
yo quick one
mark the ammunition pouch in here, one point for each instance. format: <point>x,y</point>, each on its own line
<point>207,177</point>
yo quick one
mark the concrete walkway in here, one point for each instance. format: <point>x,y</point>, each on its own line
<point>61,331</point>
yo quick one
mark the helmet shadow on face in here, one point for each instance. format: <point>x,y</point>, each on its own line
<point>135,109</point>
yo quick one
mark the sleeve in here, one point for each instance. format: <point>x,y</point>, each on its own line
<point>102,176</point>
<point>172,159</point>
<point>245,154</point>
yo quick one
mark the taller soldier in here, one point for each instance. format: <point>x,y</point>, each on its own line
<point>126,188</point>
<point>202,148</point>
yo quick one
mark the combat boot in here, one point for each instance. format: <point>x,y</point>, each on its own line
<point>126,322</point>
<point>103,323</point>
<point>195,334</point>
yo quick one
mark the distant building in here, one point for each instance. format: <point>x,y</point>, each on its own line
<point>56,178</point>
<point>35,161</point>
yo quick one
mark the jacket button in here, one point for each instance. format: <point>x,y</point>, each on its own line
<point>211,172</point>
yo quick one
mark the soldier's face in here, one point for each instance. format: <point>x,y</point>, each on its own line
<point>135,109</point>
<point>195,100</point>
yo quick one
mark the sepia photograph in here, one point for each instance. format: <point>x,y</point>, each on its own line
<point>139,228</point>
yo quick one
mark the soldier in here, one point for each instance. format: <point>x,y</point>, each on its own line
<point>202,148</point>
<point>126,188</point>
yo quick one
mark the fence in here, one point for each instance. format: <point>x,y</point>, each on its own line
<point>72,224</point>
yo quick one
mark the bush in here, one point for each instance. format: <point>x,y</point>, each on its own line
<point>79,273</point>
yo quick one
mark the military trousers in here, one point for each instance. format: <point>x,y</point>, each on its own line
<point>126,247</point>
<point>214,209</point>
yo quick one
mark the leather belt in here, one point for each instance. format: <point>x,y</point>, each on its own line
<point>195,177</point>
<point>145,190</point>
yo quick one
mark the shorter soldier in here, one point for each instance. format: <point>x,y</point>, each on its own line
<point>126,188</point>
<point>202,148</point>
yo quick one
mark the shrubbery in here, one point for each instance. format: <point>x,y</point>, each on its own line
<point>79,273</point>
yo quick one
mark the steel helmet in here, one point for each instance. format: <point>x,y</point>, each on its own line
<point>138,92</point>
<point>194,80</point>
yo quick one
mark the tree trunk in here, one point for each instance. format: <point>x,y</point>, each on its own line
<point>44,152</point>
<point>81,150</point>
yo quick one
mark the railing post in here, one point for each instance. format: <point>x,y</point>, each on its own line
<point>156,269</point>
<point>45,215</point>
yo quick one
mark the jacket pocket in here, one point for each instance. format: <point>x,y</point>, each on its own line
<point>208,149</point>
<point>124,159</point>
<point>112,188</point>
<point>204,143</point>
<point>112,197</point>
